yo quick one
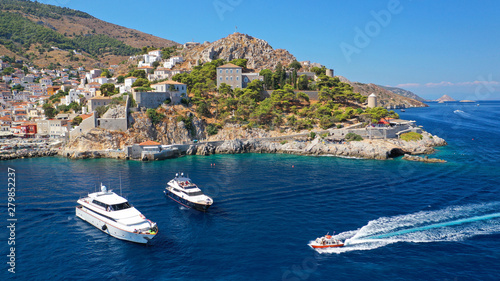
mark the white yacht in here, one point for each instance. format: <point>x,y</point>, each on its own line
<point>183,191</point>
<point>113,215</point>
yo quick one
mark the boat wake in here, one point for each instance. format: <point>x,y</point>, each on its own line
<point>455,223</point>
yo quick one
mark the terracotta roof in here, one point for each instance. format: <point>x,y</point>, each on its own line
<point>169,82</point>
<point>229,65</point>
<point>149,143</point>
<point>85,116</point>
<point>101,98</point>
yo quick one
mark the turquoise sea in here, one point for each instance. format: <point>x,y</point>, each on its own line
<point>402,220</point>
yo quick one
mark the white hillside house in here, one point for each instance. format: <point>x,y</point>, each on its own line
<point>171,62</point>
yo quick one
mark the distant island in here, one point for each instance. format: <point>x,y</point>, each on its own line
<point>445,98</point>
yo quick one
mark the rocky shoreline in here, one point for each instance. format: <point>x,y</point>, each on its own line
<point>423,159</point>
<point>366,149</point>
<point>25,153</point>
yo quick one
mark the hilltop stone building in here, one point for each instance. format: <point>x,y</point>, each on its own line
<point>233,76</point>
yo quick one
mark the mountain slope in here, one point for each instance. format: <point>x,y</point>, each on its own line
<point>258,52</point>
<point>403,92</point>
<point>30,29</point>
<point>385,97</point>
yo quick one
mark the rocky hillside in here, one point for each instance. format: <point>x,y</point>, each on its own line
<point>403,92</point>
<point>31,29</point>
<point>258,52</point>
<point>168,131</point>
<point>385,97</point>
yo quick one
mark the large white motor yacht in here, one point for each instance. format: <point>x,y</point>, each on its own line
<point>183,191</point>
<point>113,215</point>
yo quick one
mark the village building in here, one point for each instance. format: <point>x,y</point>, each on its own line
<point>164,90</point>
<point>96,102</point>
<point>233,76</point>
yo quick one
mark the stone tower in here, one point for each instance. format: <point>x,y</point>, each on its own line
<point>372,100</point>
<point>329,72</point>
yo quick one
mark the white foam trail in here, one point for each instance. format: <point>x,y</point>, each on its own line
<point>454,223</point>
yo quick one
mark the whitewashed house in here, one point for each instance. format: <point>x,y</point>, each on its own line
<point>129,81</point>
<point>156,53</point>
<point>171,62</point>
<point>100,80</point>
<point>47,82</point>
<point>170,86</point>
<point>127,85</point>
<point>73,96</point>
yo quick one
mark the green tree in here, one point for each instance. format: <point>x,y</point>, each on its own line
<point>105,73</point>
<point>202,109</point>
<point>377,113</point>
<point>295,65</point>
<point>138,73</point>
<point>353,137</point>
<point>18,87</point>
<point>154,116</point>
<point>120,79</point>
<point>240,62</point>
<point>319,71</point>
<point>325,95</point>
<point>76,121</point>
<point>8,70</point>
<point>107,89</point>
<point>101,110</point>
<point>265,112</point>
<point>268,78</point>
<point>141,82</point>
<point>280,75</point>
<point>225,90</point>
<point>302,82</point>
<point>213,129</point>
<point>326,122</point>
<point>49,110</point>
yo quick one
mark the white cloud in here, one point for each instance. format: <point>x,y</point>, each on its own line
<point>440,84</point>
<point>474,83</point>
<point>408,85</point>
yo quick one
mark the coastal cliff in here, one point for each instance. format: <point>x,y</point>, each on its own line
<point>366,149</point>
<point>167,131</point>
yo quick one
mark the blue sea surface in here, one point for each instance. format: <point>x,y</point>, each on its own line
<point>401,220</point>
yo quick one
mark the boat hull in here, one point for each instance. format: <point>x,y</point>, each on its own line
<point>112,228</point>
<point>186,203</point>
<point>326,246</point>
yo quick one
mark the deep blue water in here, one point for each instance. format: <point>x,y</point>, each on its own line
<point>268,207</point>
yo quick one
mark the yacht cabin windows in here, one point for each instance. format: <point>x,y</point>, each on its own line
<point>116,207</point>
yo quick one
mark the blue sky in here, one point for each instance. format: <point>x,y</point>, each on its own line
<point>428,47</point>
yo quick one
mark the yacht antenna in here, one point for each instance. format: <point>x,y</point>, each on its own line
<point>120,183</point>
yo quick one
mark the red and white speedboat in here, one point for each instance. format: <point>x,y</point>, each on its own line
<point>326,241</point>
